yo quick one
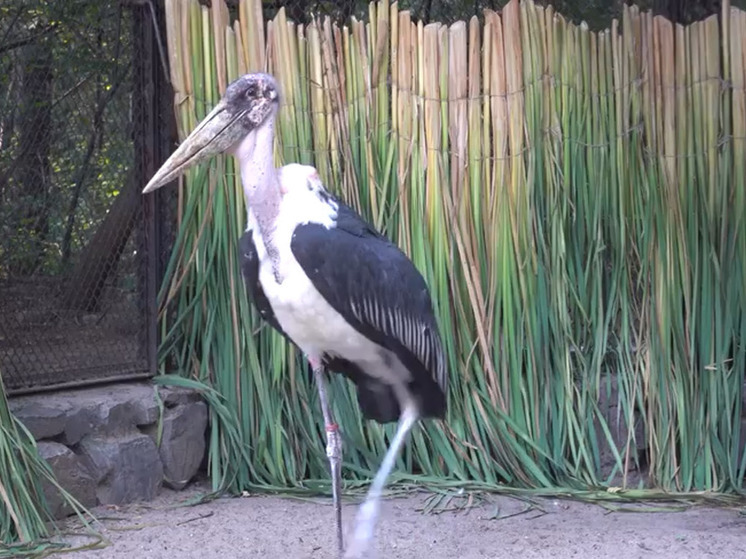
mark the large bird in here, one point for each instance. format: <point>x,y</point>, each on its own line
<point>321,275</point>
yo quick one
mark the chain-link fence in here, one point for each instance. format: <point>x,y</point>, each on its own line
<point>76,280</point>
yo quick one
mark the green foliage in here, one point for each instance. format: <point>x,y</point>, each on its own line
<point>575,202</point>
<point>65,127</point>
<point>24,515</point>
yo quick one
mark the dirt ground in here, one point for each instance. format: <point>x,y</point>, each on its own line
<point>282,527</point>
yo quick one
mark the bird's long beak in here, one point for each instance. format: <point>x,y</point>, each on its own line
<point>217,132</point>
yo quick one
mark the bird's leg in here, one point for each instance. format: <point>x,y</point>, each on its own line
<point>333,449</point>
<point>368,513</point>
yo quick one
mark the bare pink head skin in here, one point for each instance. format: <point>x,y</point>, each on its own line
<point>241,124</point>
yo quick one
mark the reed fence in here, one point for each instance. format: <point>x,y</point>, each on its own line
<point>575,200</point>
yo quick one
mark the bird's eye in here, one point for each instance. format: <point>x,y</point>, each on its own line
<point>251,91</point>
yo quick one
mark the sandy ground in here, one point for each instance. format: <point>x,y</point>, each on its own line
<point>275,527</point>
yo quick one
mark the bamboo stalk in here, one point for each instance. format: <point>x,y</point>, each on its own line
<point>254,48</point>
<point>458,90</point>
<point>472,212</point>
<point>574,199</point>
<point>429,70</point>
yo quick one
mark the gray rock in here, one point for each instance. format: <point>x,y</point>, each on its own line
<point>146,411</point>
<point>115,416</point>
<point>120,407</point>
<point>73,476</point>
<point>174,395</point>
<point>98,454</point>
<point>182,443</point>
<point>76,413</point>
<point>127,467</point>
<point>111,461</point>
<point>80,421</point>
<point>43,417</point>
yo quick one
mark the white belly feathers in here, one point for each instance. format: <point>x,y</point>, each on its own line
<point>314,325</point>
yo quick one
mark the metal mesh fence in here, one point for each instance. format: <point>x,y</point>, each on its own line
<point>75,278</point>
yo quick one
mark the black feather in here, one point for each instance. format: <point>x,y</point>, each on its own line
<point>345,263</point>
<point>249,259</point>
<point>377,401</point>
<point>351,262</point>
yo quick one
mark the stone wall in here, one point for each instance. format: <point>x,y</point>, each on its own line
<point>118,443</point>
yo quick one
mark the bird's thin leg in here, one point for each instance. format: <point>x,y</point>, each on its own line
<point>368,513</point>
<point>333,449</point>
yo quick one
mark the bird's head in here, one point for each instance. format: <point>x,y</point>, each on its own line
<point>249,102</point>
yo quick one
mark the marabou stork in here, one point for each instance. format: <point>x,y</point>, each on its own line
<point>317,272</point>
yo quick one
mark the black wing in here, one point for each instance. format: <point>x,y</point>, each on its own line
<point>250,268</point>
<point>377,290</point>
<point>377,400</point>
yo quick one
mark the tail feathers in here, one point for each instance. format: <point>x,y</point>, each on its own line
<point>378,401</point>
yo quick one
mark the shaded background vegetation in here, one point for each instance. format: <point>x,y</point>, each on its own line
<point>66,149</point>
<point>566,221</point>
<point>66,146</point>
<point>65,109</point>
<point>69,190</point>
<point>596,13</point>
<point>71,237</point>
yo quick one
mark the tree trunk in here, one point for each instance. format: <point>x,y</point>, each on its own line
<point>98,260</point>
<point>32,164</point>
<point>7,128</point>
<point>94,141</point>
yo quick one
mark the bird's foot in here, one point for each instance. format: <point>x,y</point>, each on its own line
<point>359,546</point>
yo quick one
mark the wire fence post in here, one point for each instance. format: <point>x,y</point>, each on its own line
<point>154,141</point>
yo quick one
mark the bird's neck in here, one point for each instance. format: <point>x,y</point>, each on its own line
<point>259,176</point>
<point>261,183</point>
